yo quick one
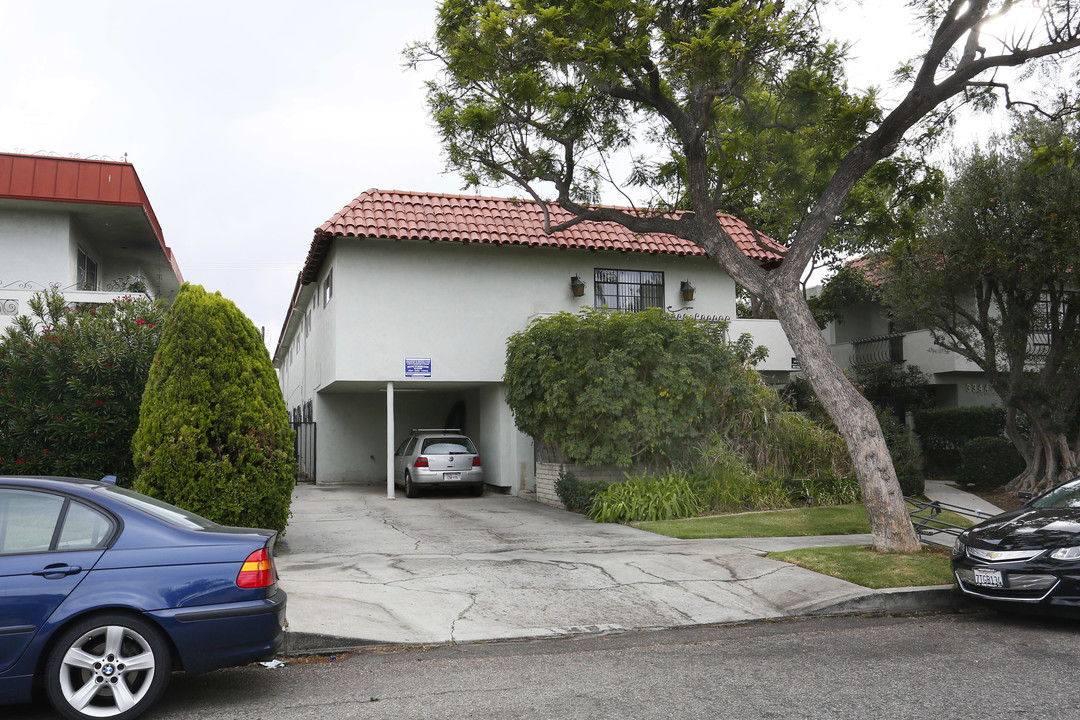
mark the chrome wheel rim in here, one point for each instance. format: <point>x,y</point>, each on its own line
<point>107,671</point>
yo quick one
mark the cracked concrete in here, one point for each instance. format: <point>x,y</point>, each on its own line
<point>362,569</point>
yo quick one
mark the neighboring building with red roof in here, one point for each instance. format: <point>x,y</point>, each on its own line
<point>864,337</point>
<point>84,227</point>
<point>400,316</point>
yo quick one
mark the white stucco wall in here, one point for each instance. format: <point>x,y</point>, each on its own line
<point>768,333</point>
<point>456,304</point>
<point>37,248</point>
<point>861,320</point>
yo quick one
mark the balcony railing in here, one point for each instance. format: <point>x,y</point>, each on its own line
<point>877,350</point>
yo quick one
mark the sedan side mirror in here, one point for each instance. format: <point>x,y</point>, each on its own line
<point>1025,496</point>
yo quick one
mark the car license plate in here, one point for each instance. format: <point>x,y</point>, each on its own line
<point>451,476</point>
<point>989,578</point>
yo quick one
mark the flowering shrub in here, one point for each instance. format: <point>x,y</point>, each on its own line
<point>71,381</point>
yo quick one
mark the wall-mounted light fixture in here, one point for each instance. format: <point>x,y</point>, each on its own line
<point>577,286</point>
<point>687,291</point>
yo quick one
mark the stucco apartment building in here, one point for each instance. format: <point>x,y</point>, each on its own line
<point>81,226</point>
<point>400,316</point>
<point>865,336</point>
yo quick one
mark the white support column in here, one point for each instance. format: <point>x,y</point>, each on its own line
<point>390,440</point>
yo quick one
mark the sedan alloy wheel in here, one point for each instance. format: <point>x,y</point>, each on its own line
<point>111,666</point>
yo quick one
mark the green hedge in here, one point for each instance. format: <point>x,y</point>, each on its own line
<point>988,462</point>
<point>944,431</point>
<point>577,495</point>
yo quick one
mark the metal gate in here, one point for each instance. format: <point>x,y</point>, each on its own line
<point>931,528</point>
<point>304,449</point>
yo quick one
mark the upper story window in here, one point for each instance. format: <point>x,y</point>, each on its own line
<point>328,287</point>
<point>86,272</point>
<point>630,290</point>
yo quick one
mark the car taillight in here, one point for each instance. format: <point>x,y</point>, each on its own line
<point>420,462</point>
<point>476,461</point>
<point>257,571</point>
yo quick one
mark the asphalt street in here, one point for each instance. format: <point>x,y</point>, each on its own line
<point>981,665</point>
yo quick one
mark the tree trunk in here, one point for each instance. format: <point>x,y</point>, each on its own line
<point>1052,461</point>
<point>854,417</point>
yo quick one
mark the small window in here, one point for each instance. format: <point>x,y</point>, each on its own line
<point>84,528</point>
<point>87,272</point>
<point>28,520</point>
<point>328,287</point>
<point>159,508</point>
<point>630,290</point>
<point>447,446</point>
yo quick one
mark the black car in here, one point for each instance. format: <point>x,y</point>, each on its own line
<point>1026,559</point>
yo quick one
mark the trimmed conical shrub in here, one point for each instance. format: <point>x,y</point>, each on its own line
<point>214,434</point>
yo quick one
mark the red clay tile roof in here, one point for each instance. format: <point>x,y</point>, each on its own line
<point>870,267</point>
<point>397,215</point>
<point>434,217</point>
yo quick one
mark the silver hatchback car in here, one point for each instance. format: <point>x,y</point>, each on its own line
<point>443,457</point>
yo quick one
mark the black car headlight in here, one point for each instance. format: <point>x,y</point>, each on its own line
<point>1067,553</point>
<point>959,548</point>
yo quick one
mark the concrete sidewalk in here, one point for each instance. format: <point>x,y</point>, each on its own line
<point>942,492</point>
<point>361,569</point>
<point>971,506</point>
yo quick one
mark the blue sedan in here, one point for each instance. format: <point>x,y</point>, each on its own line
<point>104,592</point>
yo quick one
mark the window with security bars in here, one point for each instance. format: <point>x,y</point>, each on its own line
<point>630,290</point>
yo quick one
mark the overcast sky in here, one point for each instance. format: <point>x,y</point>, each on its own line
<point>251,123</point>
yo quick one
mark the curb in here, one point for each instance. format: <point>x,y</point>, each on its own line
<point>303,643</point>
<point>934,598</point>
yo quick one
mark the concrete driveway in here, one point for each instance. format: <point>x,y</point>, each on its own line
<point>362,569</point>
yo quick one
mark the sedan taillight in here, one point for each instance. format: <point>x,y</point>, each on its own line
<point>476,461</point>
<point>257,571</point>
<point>420,462</point>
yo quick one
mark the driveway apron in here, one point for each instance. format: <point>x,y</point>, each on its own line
<point>360,568</point>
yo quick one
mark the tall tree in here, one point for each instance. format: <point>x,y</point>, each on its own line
<point>213,433</point>
<point>994,278</point>
<point>725,103</point>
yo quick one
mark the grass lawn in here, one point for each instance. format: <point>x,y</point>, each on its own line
<point>864,566</point>
<point>831,520</point>
<point>800,522</point>
<point>858,564</point>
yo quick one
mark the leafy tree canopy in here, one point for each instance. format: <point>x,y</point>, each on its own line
<point>994,277</point>
<point>71,381</point>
